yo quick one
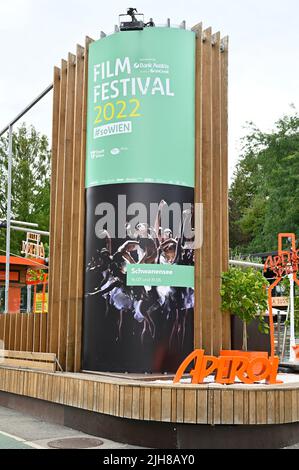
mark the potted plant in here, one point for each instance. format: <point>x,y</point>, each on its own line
<point>244,295</point>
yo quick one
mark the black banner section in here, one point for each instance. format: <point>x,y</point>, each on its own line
<point>133,329</point>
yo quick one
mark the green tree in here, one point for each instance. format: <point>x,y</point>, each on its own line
<point>264,195</point>
<point>30,182</point>
<point>244,294</point>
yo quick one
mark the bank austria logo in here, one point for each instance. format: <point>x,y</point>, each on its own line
<point>115,152</point>
<point>96,154</point>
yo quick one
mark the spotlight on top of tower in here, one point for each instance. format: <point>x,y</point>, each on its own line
<point>133,21</point>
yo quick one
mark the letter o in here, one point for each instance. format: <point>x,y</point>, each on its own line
<point>265,367</point>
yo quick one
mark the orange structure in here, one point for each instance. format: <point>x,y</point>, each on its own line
<point>18,277</point>
<point>286,263</point>
<point>249,370</point>
<point>38,278</point>
<point>230,368</point>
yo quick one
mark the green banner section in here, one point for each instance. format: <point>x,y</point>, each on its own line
<point>141,108</point>
<point>160,275</point>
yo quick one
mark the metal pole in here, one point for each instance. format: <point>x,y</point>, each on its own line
<point>246,264</point>
<point>279,332</point>
<point>24,224</point>
<point>285,334</point>
<point>8,219</point>
<point>28,299</point>
<point>27,229</point>
<point>30,106</point>
<point>292,323</point>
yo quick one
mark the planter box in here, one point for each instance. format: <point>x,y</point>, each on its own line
<point>256,340</point>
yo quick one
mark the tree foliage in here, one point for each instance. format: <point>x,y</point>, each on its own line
<point>264,195</point>
<point>244,294</point>
<point>30,182</point>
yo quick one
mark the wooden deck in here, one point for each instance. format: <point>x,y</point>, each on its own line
<point>138,399</point>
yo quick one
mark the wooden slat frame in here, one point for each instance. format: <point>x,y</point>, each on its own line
<point>56,215</point>
<point>198,311</point>
<point>53,208</point>
<point>217,243</point>
<point>60,331</point>
<point>76,191</point>
<point>66,201</point>
<point>81,234</point>
<point>24,332</point>
<point>12,323</point>
<point>212,328</point>
<point>68,210</point>
<point>226,325</point>
<point>29,336</point>
<point>207,192</point>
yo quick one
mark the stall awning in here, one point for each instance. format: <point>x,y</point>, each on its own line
<point>23,262</point>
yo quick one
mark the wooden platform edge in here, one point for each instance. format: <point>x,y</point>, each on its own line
<point>185,404</point>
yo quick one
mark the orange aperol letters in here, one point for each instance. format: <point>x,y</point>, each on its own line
<point>228,369</point>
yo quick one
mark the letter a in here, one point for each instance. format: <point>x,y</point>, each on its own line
<point>196,356</point>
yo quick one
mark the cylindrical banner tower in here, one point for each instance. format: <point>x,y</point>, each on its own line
<point>139,281</point>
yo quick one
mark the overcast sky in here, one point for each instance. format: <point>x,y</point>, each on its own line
<point>264,51</point>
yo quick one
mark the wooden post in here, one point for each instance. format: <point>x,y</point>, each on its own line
<point>66,196</point>
<point>216,268</point>
<point>81,234</point>
<point>226,326</point>
<point>198,339</point>
<point>54,167</point>
<point>75,215</point>
<point>207,194</point>
<point>56,215</point>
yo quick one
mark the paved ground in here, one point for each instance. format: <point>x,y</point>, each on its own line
<point>20,431</point>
